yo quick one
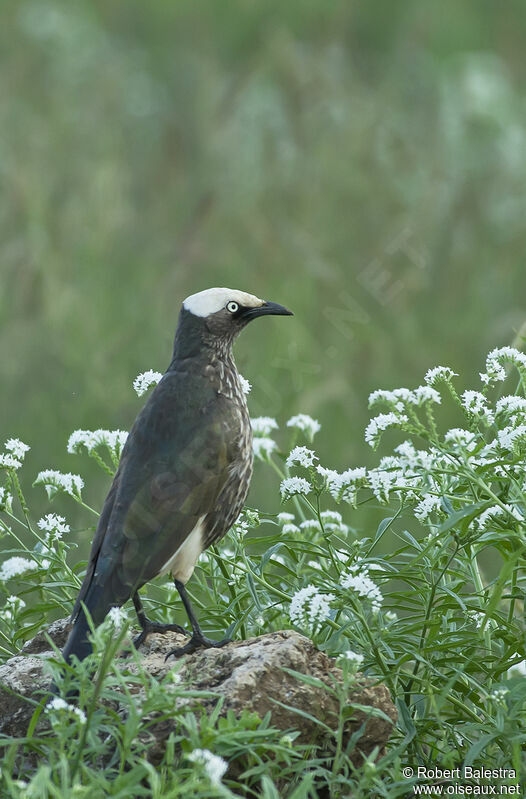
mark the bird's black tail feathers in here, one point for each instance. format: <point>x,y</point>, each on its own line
<point>98,602</point>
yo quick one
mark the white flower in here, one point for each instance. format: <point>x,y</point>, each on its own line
<point>311,524</point>
<point>52,523</point>
<point>305,457</point>
<point>294,485</point>
<point>245,385</point>
<point>354,657</point>
<point>10,462</point>
<point>439,373</point>
<point>5,499</point>
<point>464,439</point>
<point>494,369</point>
<point>511,405</point>
<point>394,399</point>
<point>215,767</point>
<point>17,448</point>
<point>263,447</point>
<point>16,566</point>
<point>114,440</point>
<point>331,516</point>
<point>399,397</point>
<point>309,607</point>
<point>423,394</point>
<point>58,704</point>
<point>290,529</point>
<point>13,606</point>
<point>380,423</point>
<point>476,404</point>
<point>285,517</point>
<point>482,522</point>
<point>428,505</point>
<point>381,482</point>
<point>54,481</point>
<point>143,381</point>
<point>306,424</point>
<point>344,486</point>
<point>511,437</point>
<point>363,585</point>
<point>117,617</point>
<point>263,425</point>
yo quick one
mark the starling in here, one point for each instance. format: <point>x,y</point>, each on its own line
<point>183,475</point>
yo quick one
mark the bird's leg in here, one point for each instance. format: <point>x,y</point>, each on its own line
<point>148,626</point>
<point>197,640</point>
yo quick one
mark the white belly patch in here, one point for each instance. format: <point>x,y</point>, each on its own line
<point>182,562</point>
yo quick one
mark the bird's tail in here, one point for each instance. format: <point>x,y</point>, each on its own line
<point>77,642</point>
<point>98,599</point>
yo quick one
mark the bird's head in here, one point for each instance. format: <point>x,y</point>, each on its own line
<point>221,313</point>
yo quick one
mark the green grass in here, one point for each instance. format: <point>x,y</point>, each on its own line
<point>439,618</point>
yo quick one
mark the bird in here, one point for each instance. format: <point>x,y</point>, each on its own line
<point>183,474</point>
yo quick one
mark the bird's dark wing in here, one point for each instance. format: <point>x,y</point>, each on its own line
<point>174,465</point>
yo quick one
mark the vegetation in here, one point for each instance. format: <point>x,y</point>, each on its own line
<point>425,619</point>
<point>364,164</point>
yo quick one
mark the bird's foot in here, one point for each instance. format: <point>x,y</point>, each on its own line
<point>197,641</point>
<point>149,626</point>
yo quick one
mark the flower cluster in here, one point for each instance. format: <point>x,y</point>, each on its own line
<point>302,456</point>
<point>439,374</point>
<point>308,607</point>
<point>495,370</point>
<point>477,407</point>
<point>245,385</point>
<point>145,380</point>
<point>263,447</point>
<point>263,425</point>
<point>214,766</point>
<point>306,424</point>
<point>291,486</point>
<point>16,567</point>
<point>382,422</point>
<point>358,579</point>
<point>6,499</point>
<point>54,525</point>
<point>113,440</point>
<point>14,455</point>
<point>344,485</point>
<point>13,606</point>
<point>55,482</point>
<point>58,705</point>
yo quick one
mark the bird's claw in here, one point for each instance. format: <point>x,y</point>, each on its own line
<point>157,627</point>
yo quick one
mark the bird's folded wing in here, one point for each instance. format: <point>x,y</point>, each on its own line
<point>173,467</point>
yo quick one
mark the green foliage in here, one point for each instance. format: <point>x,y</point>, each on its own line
<point>439,619</point>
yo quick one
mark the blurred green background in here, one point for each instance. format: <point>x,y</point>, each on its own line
<point>363,163</point>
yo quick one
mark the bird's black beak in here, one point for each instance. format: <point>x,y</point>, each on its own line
<point>267,309</point>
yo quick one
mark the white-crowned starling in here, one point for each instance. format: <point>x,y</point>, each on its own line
<point>184,472</point>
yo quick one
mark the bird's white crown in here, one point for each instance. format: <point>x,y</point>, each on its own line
<point>211,301</point>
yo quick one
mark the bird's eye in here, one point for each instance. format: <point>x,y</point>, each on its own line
<point>232,307</point>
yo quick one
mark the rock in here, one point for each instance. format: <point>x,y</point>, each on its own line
<point>248,675</point>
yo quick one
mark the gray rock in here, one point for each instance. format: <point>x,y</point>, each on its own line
<point>248,675</point>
